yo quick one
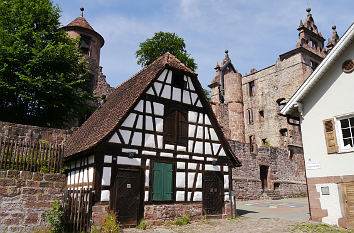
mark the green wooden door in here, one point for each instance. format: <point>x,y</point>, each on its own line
<point>162,189</point>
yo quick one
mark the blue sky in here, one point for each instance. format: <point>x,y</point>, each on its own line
<point>255,32</point>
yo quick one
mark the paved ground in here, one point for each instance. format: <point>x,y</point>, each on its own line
<point>287,215</point>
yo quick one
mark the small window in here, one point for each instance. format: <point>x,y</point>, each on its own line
<point>175,126</point>
<point>250,116</point>
<point>85,43</point>
<point>313,65</point>
<point>251,88</point>
<point>178,80</point>
<point>252,142</point>
<point>346,133</point>
<point>283,132</point>
<point>314,44</point>
<point>162,185</point>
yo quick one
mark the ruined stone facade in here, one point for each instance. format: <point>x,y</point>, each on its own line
<point>247,107</point>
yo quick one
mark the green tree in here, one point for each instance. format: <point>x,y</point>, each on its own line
<point>159,44</point>
<point>43,79</point>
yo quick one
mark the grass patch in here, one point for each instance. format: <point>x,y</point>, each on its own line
<point>144,225</point>
<point>184,220</point>
<point>321,228</point>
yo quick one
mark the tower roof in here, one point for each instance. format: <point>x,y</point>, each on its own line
<point>80,22</point>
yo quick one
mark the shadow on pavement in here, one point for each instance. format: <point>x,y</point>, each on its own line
<point>241,212</point>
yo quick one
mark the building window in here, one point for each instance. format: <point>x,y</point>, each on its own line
<point>250,116</point>
<point>313,65</point>
<point>85,42</point>
<point>251,88</point>
<point>283,132</point>
<point>252,143</point>
<point>175,125</point>
<point>162,185</point>
<point>261,115</point>
<point>346,133</point>
<point>178,80</point>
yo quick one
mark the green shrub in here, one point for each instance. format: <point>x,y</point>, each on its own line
<point>184,220</point>
<point>144,225</point>
<point>55,217</point>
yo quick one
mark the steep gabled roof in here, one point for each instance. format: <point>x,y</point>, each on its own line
<point>80,22</point>
<point>105,119</point>
<point>320,72</point>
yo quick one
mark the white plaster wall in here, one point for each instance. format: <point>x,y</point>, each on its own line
<point>146,197</point>
<point>331,203</point>
<point>180,180</point>
<point>105,195</point>
<point>106,178</point>
<point>197,196</point>
<point>180,196</point>
<point>108,159</point>
<point>332,96</point>
<point>130,120</point>
<point>114,138</point>
<point>128,161</point>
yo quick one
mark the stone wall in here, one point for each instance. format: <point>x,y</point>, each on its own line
<point>24,198</point>
<point>286,172</point>
<point>33,133</point>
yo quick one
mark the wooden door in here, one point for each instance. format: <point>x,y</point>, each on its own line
<point>126,195</point>
<point>213,193</point>
<point>348,198</point>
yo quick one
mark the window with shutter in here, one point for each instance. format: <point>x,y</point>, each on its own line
<point>330,135</point>
<point>345,133</point>
<point>175,126</point>
<point>162,185</point>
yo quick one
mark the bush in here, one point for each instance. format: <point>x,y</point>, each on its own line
<point>144,225</point>
<point>55,217</point>
<point>184,220</point>
<point>110,223</point>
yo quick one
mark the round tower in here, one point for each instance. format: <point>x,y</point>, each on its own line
<point>90,44</point>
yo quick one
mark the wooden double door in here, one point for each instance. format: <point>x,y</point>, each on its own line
<point>213,193</point>
<point>126,198</point>
<point>348,199</point>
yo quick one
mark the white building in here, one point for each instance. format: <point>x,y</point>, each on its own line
<point>324,104</point>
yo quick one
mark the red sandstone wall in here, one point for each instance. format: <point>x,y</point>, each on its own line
<point>24,198</point>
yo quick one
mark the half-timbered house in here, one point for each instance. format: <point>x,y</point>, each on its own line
<point>154,150</point>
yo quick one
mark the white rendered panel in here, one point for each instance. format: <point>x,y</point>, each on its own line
<point>127,150</point>
<point>163,75</point>
<point>226,168</point>
<point>190,146</point>
<point>181,148</point>
<point>192,116</point>
<point>180,196</point>
<point>181,165</point>
<point>129,121</point>
<point>198,147</point>
<point>192,166</point>
<point>106,178</point>
<point>207,121</point>
<point>108,159</point>
<point>211,159</point>
<point>190,179</point>
<point>226,196</point>
<point>169,77</point>
<point>91,170</point>
<point>216,147</point>
<point>146,197</point>
<point>169,146</point>
<point>176,94</point>
<point>201,116</point>
<point>147,172</point>
<point>186,97</point>
<point>148,123</point>
<point>148,162</point>
<point>209,167</point>
<point>159,141</point>
<point>199,180</point>
<point>128,161</point>
<point>222,152</point>
<point>207,149</point>
<point>197,196</point>
<point>206,133</point>
<point>200,132</point>
<point>191,86</point>
<point>145,152</point>
<point>91,159</point>
<point>158,109</point>
<point>159,124</point>
<point>139,124</point>
<point>149,140</point>
<point>137,139</point>
<point>126,135</point>
<point>166,93</point>
<point>213,135</point>
<point>194,97</point>
<point>85,178</point>
<point>105,195</point>
<point>197,157</point>
<point>226,181</point>
<point>150,91</point>
<point>180,179</point>
<point>157,87</point>
<point>189,196</point>
<point>191,129</point>
<point>115,138</point>
<point>163,154</point>
<point>139,106</point>
<point>183,156</point>
<point>148,106</point>
<point>199,104</point>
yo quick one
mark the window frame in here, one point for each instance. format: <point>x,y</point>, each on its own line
<point>251,88</point>
<point>177,129</point>
<point>338,129</point>
<point>250,118</point>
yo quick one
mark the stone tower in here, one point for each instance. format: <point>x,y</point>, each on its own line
<point>227,100</point>
<point>90,45</point>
